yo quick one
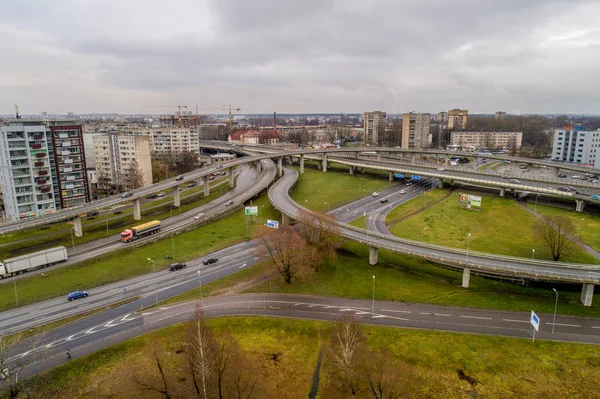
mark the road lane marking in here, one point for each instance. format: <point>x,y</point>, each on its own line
<point>379,316</point>
<point>425,313</point>
<point>397,311</point>
<point>362,313</point>
<point>242,266</point>
<point>441,314</point>
<point>347,310</point>
<point>477,317</point>
<point>595,326</point>
<point>565,325</point>
<point>516,321</point>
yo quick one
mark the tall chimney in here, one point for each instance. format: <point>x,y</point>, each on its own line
<point>275,120</point>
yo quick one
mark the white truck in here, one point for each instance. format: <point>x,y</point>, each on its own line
<point>32,261</point>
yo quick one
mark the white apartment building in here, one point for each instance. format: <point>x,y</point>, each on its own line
<point>415,130</point>
<point>574,144</point>
<point>486,140</point>
<point>115,155</point>
<point>375,123</point>
<point>458,118</point>
<point>173,140</point>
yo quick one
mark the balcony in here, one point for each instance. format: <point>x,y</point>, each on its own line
<point>40,181</point>
<point>66,144</point>
<point>69,186</point>
<point>45,189</point>
<point>43,173</point>
<point>68,161</point>
<point>70,178</point>
<point>36,146</point>
<point>67,170</point>
<point>38,164</point>
<point>65,152</point>
<point>40,155</point>
<point>38,137</point>
<point>63,135</point>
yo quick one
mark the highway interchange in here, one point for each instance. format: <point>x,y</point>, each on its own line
<point>106,328</point>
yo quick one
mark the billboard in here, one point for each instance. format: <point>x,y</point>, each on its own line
<point>251,211</point>
<point>472,201</point>
<point>274,224</point>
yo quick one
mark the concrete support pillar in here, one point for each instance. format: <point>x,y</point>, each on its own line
<point>391,176</point>
<point>413,158</point>
<point>231,179</point>
<point>446,162</point>
<point>285,220</point>
<point>441,183</point>
<point>466,277</point>
<point>206,186</point>
<point>502,190</point>
<point>362,170</point>
<point>587,293</point>
<point>373,255</point>
<point>580,205</point>
<point>280,166</point>
<point>319,165</point>
<point>258,165</point>
<point>137,213</point>
<point>378,157</point>
<point>77,226</point>
<point>301,164</point>
<point>324,162</point>
<point>176,197</point>
<point>351,170</point>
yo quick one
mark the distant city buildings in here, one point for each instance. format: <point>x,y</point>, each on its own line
<point>122,161</point>
<point>500,115</point>
<point>457,118</point>
<point>486,140</point>
<point>254,137</point>
<point>442,117</point>
<point>169,140</point>
<point>375,124</point>
<point>577,145</point>
<point>42,166</point>
<point>415,130</point>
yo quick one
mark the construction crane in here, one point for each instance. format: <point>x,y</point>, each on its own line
<point>173,106</point>
<point>230,116</point>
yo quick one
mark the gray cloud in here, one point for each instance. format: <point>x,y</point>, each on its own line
<point>300,56</point>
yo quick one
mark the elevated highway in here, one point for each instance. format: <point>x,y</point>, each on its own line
<point>537,270</point>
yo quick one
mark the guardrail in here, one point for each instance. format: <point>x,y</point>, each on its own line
<point>419,249</point>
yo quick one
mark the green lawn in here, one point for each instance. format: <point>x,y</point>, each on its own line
<point>131,262</point>
<point>283,353</point>
<point>91,232</point>
<point>501,227</point>
<point>589,227</point>
<point>318,187</point>
<point>423,200</point>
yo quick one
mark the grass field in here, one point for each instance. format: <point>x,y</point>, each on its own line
<point>91,232</point>
<point>423,200</point>
<point>502,227</point>
<point>132,262</point>
<point>283,354</point>
<point>588,228</point>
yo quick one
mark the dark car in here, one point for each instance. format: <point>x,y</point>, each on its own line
<point>127,194</point>
<point>151,196</point>
<point>179,178</point>
<point>384,200</point>
<point>561,175</point>
<point>77,294</point>
<point>209,261</point>
<point>192,185</point>
<point>176,266</point>
<point>93,213</point>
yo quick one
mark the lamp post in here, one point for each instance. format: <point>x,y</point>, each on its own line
<point>373,302</point>
<point>579,228</point>
<point>360,184</point>
<point>315,207</point>
<point>16,296</point>
<point>156,286</point>
<point>200,283</point>
<point>107,223</point>
<point>424,228</point>
<point>173,246</point>
<point>536,198</point>
<point>533,254</point>
<point>555,306</point>
<point>73,238</point>
<point>261,212</point>
<point>468,242</point>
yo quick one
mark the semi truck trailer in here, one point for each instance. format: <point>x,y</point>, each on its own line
<point>140,231</point>
<point>33,261</point>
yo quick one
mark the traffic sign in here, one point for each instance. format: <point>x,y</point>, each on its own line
<point>399,175</point>
<point>416,177</point>
<point>535,321</point>
<point>274,224</point>
<point>251,211</point>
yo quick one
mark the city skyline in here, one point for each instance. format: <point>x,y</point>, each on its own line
<point>300,57</point>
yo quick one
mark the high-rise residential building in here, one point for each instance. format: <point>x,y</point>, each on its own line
<point>457,118</point>
<point>122,161</point>
<point>375,123</point>
<point>170,140</point>
<point>442,117</point>
<point>42,167</point>
<point>415,130</point>
<point>486,140</point>
<point>577,145</point>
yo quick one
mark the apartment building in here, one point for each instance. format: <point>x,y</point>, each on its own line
<point>577,145</point>
<point>42,167</point>
<point>122,161</point>
<point>169,140</point>
<point>415,130</point>
<point>486,140</point>
<point>375,124</point>
<point>457,118</point>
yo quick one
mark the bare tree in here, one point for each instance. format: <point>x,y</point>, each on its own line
<point>284,249</point>
<point>244,382</point>
<point>11,364</point>
<point>222,362</point>
<point>380,375</point>
<point>556,231</point>
<point>202,355</point>
<point>134,178</point>
<point>164,389</point>
<point>321,234</point>
<point>347,338</point>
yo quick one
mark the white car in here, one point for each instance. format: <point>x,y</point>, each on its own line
<point>198,216</point>
<point>441,169</point>
<point>229,203</point>
<point>375,194</point>
<point>576,177</point>
<point>402,191</point>
<point>161,194</point>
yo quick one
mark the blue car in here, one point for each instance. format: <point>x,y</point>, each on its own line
<point>77,295</point>
<point>596,197</point>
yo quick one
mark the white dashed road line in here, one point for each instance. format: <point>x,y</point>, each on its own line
<point>476,317</point>
<point>396,311</point>
<point>516,321</point>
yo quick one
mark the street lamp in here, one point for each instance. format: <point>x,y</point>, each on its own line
<point>424,228</point>
<point>360,184</point>
<point>579,228</point>
<point>536,198</point>
<point>173,246</point>
<point>156,286</point>
<point>555,306</point>
<point>261,212</point>
<point>315,208</point>
<point>73,238</point>
<point>16,296</point>
<point>533,254</point>
<point>200,283</point>
<point>468,242</point>
<point>373,303</point>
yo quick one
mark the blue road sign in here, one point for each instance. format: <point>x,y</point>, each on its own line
<point>399,175</point>
<point>416,177</point>
<point>274,224</point>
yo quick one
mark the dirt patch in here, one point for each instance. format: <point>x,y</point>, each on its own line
<point>244,285</point>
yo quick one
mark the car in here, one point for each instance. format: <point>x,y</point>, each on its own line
<point>126,194</point>
<point>192,185</point>
<point>375,194</point>
<point>93,213</point>
<point>590,175</point>
<point>219,166</point>
<point>384,200</point>
<point>161,194</point>
<point>177,266</point>
<point>209,261</point>
<point>211,178</point>
<point>441,169</point>
<point>584,178</point>
<point>575,177</point>
<point>229,203</point>
<point>514,181</point>
<point>151,196</point>
<point>402,191</point>
<point>77,294</point>
<point>594,181</point>
<point>198,216</point>
<point>179,178</point>
<point>409,184</point>
<point>562,176</point>
<point>596,197</point>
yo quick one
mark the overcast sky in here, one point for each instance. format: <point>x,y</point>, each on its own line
<point>520,56</point>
